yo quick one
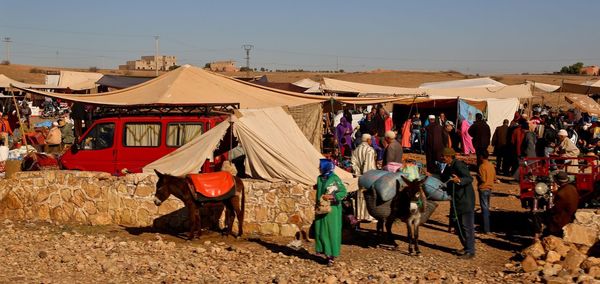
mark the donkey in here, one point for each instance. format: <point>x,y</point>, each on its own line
<point>407,205</point>
<point>410,208</point>
<point>181,188</point>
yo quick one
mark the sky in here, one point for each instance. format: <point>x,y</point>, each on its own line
<point>487,37</point>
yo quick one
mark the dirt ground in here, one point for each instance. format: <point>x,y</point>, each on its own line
<point>47,253</point>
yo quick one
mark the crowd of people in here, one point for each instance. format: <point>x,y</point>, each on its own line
<point>378,144</point>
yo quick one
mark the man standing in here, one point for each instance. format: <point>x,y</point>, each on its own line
<point>434,144</point>
<point>565,202</point>
<point>480,131</point>
<point>363,160</point>
<point>500,144</point>
<point>393,150</point>
<point>460,186</point>
<point>485,182</point>
<point>415,138</point>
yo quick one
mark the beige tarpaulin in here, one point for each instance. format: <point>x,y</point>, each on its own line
<point>339,86</point>
<point>584,103</point>
<point>501,92</point>
<point>548,88</point>
<point>78,81</point>
<point>579,89</point>
<point>276,149</point>
<point>309,119</point>
<point>188,85</point>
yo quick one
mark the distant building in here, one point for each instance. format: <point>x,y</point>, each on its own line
<point>223,66</point>
<point>165,63</point>
<point>590,70</point>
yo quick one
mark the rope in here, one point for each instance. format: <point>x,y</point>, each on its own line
<point>456,214</point>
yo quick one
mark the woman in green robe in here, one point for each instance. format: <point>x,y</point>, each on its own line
<point>328,227</point>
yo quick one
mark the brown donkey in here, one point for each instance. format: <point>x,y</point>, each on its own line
<point>181,188</point>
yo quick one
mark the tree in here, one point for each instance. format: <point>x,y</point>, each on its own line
<point>572,69</point>
<point>207,66</point>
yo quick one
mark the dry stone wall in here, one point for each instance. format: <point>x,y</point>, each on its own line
<point>94,198</point>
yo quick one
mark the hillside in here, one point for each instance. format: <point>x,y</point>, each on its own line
<point>35,74</point>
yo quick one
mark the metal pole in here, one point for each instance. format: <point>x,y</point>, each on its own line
<point>156,54</point>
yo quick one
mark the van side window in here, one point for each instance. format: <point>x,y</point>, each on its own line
<point>100,137</point>
<point>141,135</point>
<point>179,134</point>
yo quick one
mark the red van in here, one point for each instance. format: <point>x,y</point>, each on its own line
<point>117,143</point>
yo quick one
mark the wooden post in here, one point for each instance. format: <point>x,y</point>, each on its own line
<point>20,123</point>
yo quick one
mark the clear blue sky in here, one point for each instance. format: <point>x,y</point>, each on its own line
<point>485,37</point>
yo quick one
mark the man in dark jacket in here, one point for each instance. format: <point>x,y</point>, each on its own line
<point>500,143</point>
<point>480,131</point>
<point>460,186</point>
<point>434,145</point>
<point>565,202</point>
<point>393,150</point>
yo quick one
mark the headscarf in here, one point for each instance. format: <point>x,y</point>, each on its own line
<point>326,167</point>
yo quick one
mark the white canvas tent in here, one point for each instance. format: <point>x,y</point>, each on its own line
<point>78,81</point>
<point>486,82</point>
<point>276,149</point>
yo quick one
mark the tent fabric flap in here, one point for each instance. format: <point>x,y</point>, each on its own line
<point>121,82</point>
<point>579,89</point>
<point>584,103</point>
<point>275,148</point>
<point>190,157</point>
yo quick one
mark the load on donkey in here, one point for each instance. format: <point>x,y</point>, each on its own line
<point>274,147</point>
<point>393,196</point>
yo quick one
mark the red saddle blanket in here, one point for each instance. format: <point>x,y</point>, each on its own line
<point>212,185</point>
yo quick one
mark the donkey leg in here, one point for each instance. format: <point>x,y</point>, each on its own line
<point>193,217</point>
<point>240,215</point>
<point>230,217</point>
<point>409,236</point>
<point>389,222</point>
<point>416,233</point>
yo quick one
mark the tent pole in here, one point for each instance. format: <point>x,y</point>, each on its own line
<point>20,122</point>
<point>457,110</point>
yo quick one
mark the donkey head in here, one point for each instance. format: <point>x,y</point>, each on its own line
<point>412,193</point>
<point>162,188</point>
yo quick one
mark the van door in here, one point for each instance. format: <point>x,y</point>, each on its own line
<point>96,150</point>
<point>140,145</point>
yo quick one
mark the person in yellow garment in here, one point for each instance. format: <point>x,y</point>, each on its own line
<point>328,226</point>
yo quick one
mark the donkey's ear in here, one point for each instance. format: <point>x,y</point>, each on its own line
<point>398,185</point>
<point>406,180</point>
<point>159,174</point>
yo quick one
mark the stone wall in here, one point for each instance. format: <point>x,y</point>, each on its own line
<point>100,199</point>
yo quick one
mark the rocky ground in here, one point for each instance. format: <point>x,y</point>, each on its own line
<point>47,253</point>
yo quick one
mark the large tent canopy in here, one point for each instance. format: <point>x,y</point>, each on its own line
<point>188,85</point>
<point>580,89</point>
<point>275,148</point>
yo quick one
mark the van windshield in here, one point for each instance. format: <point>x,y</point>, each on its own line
<point>100,137</point>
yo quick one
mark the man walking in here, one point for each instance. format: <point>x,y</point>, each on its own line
<point>460,186</point>
<point>480,131</point>
<point>485,182</point>
<point>565,201</point>
<point>363,160</point>
<point>393,149</point>
<point>500,144</point>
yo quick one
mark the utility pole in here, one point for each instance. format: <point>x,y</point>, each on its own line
<point>247,47</point>
<point>156,53</point>
<point>7,42</point>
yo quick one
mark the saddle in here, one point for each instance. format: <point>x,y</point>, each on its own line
<point>215,185</point>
